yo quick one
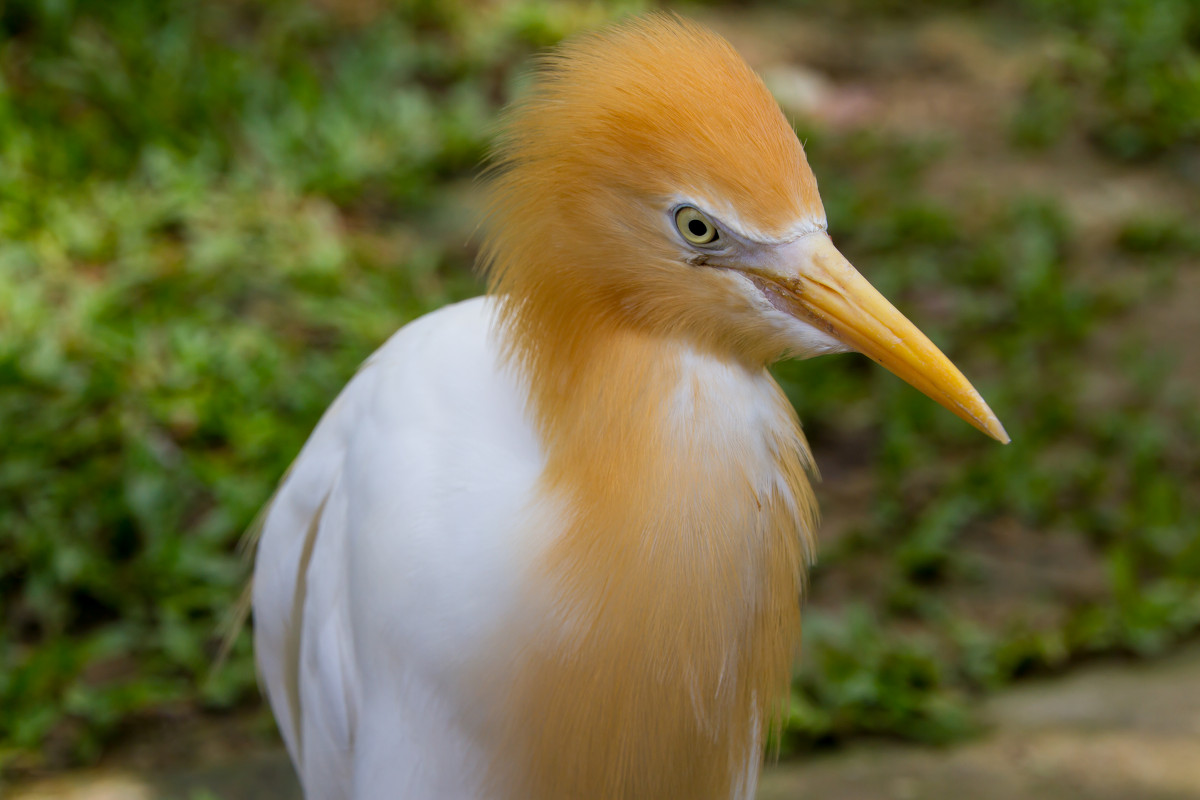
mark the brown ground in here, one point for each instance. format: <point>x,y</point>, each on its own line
<point>1107,732</point>
<point>1112,732</point>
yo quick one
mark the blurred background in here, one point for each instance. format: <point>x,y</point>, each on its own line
<point>211,213</point>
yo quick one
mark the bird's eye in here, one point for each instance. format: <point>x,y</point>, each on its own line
<point>694,226</point>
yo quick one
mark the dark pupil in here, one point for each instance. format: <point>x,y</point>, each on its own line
<point>697,228</point>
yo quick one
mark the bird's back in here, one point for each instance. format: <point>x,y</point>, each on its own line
<point>388,557</point>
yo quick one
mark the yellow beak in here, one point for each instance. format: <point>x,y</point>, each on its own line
<point>831,295</point>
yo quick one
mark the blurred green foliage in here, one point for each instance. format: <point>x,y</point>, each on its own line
<point>1127,71</point>
<point>210,213</point>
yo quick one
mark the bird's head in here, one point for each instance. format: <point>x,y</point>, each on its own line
<point>648,180</point>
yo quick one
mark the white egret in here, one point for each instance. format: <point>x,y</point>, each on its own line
<point>549,543</point>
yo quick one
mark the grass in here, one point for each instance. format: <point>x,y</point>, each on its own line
<point>214,213</point>
<point>211,213</point>
<point>1129,70</point>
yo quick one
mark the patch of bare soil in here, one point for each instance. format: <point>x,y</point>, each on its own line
<point>1108,732</point>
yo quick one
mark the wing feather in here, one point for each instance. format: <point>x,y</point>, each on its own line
<point>391,552</point>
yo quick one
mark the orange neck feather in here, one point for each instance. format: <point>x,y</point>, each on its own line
<point>674,584</point>
<point>674,588</point>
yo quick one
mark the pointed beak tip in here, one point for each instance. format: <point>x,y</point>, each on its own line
<point>991,425</point>
<point>1000,435</point>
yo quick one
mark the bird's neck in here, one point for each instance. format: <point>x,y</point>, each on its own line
<point>673,586</point>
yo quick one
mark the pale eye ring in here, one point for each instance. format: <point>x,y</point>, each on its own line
<point>695,227</point>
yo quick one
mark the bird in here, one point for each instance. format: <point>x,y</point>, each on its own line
<point>551,542</point>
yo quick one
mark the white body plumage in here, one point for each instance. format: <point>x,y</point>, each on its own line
<point>400,541</point>
<point>390,551</point>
